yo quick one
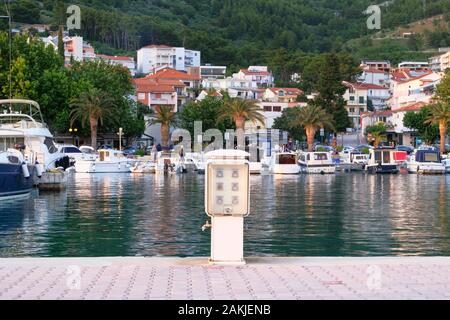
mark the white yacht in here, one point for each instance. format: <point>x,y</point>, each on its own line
<point>284,163</point>
<point>316,162</point>
<point>108,161</point>
<point>427,161</point>
<point>21,123</point>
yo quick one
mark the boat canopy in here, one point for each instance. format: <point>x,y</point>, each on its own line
<point>21,107</point>
<point>428,156</point>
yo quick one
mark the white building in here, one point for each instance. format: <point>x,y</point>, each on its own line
<point>259,75</point>
<point>273,110</point>
<point>382,65</point>
<point>375,76</point>
<point>74,48</point>
<point>213,72</point>
<point>154,57</point>
<point>413,65</point>
<point>356,98</point>
<point>440,63</point>
<point>127,62</point>
<point>405,136</point>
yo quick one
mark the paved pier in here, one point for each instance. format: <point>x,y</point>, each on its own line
<point>261,278</point>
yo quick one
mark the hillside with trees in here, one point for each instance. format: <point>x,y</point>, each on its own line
<point>239,32</point>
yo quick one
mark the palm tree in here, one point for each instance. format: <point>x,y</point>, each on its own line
<point>91,107</point>
<point>440,115</point>
<point>240,111</point>
<point>312,118</point>
<point>166,118</point>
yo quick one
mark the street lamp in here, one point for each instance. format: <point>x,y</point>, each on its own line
<point>73,132</point>
<point>120,134</point>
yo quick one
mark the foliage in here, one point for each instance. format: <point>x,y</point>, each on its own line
<point>240,111</point>
<point>165,117</point>
<point>283,123</point>
<point>416,121</point>
<point>377,133</point>
<point>207,111</point>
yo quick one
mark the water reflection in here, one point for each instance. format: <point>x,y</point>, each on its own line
<point>156,215</point>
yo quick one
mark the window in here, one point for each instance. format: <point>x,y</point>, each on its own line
<point>352,98</point>
<point>268,108</point>
<point>320,157</point>
<point>386,157</point>
<point>352,110</point>
<point>141,96</point>
<point>70,150</point>
<point>362,99</point>
<point>361,110</point>
<point>431,157</point>
<point>276,109</point>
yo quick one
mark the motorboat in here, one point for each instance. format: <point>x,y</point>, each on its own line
<point>426,161</point>
<point>143,166</point>
<point>108,161</point>
<point>385,160</point>
<point>316,163</point>
<point>15,175</point>
<point>284,163</point>
<point>21,123</point>
<point>446,163</point>
<point>168,164</point>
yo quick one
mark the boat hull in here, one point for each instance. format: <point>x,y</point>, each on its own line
<point>327,169</point>
<point>285,169</point>
<point>102,167</point>
<point>426,168</point>
<point>12,181</point>
<point>384,169</point>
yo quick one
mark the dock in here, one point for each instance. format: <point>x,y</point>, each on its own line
<point>143,278</point>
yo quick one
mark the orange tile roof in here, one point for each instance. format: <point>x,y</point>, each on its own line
<point>412,107</point>
<point>289,91</point>
<point>255,73</point>
<point>172,74</point>
<point>159,46</point>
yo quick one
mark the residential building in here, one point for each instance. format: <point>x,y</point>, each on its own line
<point>74,48</point>
<point>158,93</point>
<point>213,93</point>
<point>273,110</point>
<point>127,62</point>
<point>287,95</point>
<point>372,118</point>
<point>356,98</point>
<point>440,63</point>
<point>405,136</point>
<point>191,83</point>
<point>413,65</point>
<point>154,57</point>
<point>375,76</point>
<point>259,75</point>
<point>409,87</point>
<point>236,88</point>
<point>382,65</point>
<point>213,72</point>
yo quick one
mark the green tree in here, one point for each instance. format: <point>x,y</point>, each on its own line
<point>241,111</point>
<point>207,111</point>
<point>417,121</point>
<point>284,123</point>
<point>312,118</point>
<point>377,133</point>
<point>439,114</point>
<point>90,108</point>
<point>165,117</point>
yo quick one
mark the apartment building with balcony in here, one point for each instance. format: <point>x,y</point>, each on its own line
<point>356,97</point>
<point>155,57</point>
<point>381,65</point>
<point>127,62</point>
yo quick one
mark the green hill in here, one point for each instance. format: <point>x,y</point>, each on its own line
<point>234,32</point>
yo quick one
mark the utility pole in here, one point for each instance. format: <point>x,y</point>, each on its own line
<point>8,12</point>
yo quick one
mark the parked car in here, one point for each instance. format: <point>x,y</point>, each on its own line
<point>407,149</point>
<point>129,151</point>
<point>348,149</point>
<point>105,147</point>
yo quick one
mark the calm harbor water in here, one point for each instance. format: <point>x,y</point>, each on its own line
<point>148,215</point>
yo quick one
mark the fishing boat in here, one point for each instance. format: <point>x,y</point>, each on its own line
<point>316,163</point>
<point>108,161</point>
<point>284,163</point>
<point>22,124</point>
<point>385,160</point>
<point>427,161</point>
<point>15,175</point>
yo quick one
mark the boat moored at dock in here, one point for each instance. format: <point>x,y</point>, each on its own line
<point>427,161</point>
<point>316,163</point>
<point>284,163</point>
<point>15,175</point>
<point>385,160</point>
<point>108,161</point>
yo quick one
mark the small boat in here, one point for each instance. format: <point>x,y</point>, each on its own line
<point>15,175</point>
<point>316,163</point>
<point>427,161</point>
<point>385,160</point>
<point>284,163</point>
<point>446,163</point>
<point>143,167</point>
<point>168,164</point>
<point>108,161</point>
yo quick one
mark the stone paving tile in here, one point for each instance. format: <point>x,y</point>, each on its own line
<point>181,279</point>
